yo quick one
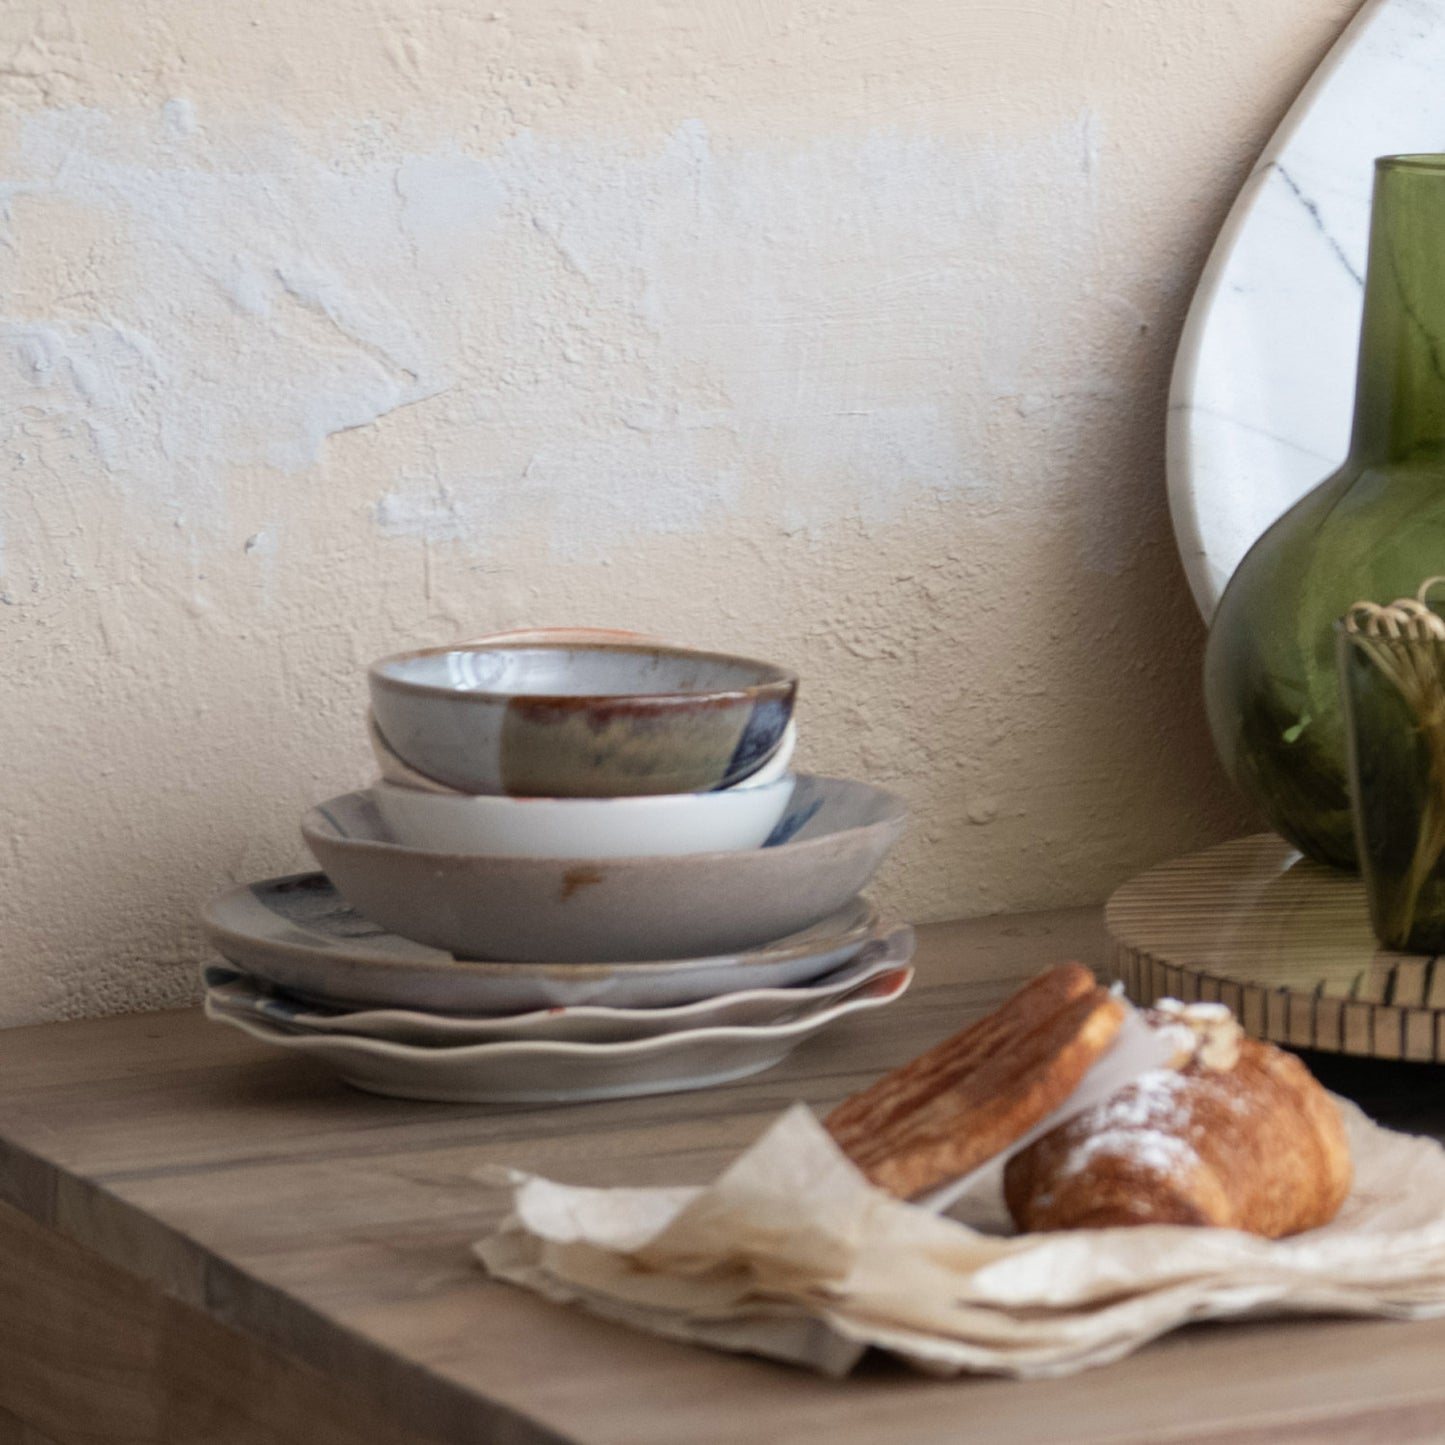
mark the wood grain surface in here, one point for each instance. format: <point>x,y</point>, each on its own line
<point>102,1357</point>
<point>226,1226</point>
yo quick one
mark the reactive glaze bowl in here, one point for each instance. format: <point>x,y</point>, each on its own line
<point>559,719</point>
<point>393,770</point>
<point>827,847</point>
<point>664,824</point>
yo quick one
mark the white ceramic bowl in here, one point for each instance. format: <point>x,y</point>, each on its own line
<point>662,825</point>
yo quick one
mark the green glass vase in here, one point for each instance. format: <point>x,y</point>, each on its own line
<point>1374,529</point>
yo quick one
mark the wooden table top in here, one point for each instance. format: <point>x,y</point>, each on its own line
<point>333,1229</point>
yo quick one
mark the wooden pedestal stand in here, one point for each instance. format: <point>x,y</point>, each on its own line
<point>1286,943</point>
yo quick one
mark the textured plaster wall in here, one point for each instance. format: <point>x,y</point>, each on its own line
<point>836,331</point>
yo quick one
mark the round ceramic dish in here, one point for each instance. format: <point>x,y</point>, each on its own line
<point>394,770</point>
<point>554,1073</point>
<point>571,719</point>
<point>595,910</point>
<point>299,934</point>
<point>752,1008</point>
<point>667,824</point>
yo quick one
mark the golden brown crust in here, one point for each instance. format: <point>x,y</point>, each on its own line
<point>970,1097</point>
<point>1259,1147</point>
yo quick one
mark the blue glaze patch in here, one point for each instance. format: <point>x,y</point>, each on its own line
<point>334,821</point>
<point>214,976</point>
<point>278,1007</point>
<point>310,901</point>
<point>793,823</point>
<point>760,739</point>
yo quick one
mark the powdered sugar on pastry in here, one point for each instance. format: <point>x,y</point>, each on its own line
<point>1152,1098</point>
<point>1148,1148</point>
<point>1144,1124</point>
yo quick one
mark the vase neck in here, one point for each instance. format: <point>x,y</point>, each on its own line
<point>1400,390</point>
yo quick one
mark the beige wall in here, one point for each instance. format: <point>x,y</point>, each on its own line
<point>834,332</point>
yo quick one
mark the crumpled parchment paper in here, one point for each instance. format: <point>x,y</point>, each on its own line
<point>791,1253</point>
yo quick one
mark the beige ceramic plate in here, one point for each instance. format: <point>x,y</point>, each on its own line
<point>550,1073</point>
<point>583,1023</point>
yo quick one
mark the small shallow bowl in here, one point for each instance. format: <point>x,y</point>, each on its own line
<point>827,847</point>
<point>665,825</point>
<point>300,936</point>
<point>564,719</point>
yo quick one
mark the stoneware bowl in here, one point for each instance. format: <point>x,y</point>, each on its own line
<point>558,719</point>
<point>393,770</point>
<point>828,845</point>
<point>663,824</point>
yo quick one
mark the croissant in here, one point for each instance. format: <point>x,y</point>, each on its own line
<point>1259,1146</point>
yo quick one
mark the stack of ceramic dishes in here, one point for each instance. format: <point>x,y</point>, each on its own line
<point>586,871</point>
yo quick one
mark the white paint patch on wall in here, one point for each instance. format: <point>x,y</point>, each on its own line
<point>616,337</point>
<point>251,300</point>
<point>692,323</point>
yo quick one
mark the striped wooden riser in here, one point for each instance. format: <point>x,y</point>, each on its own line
<point>1285,943</point>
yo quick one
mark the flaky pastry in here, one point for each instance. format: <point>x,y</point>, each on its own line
<point>976,1093</point>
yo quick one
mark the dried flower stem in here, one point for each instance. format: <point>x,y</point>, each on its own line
<point>1385,634</point>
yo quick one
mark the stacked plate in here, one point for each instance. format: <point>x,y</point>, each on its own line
<point>583,928</point>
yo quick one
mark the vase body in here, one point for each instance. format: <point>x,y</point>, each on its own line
<point>1374,529</point>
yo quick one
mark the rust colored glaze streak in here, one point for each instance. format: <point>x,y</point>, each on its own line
<point>600,747</point>
<point>576,879</point>
<point>600,713</point>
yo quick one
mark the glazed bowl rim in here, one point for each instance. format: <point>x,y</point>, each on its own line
<point>772,676</point>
